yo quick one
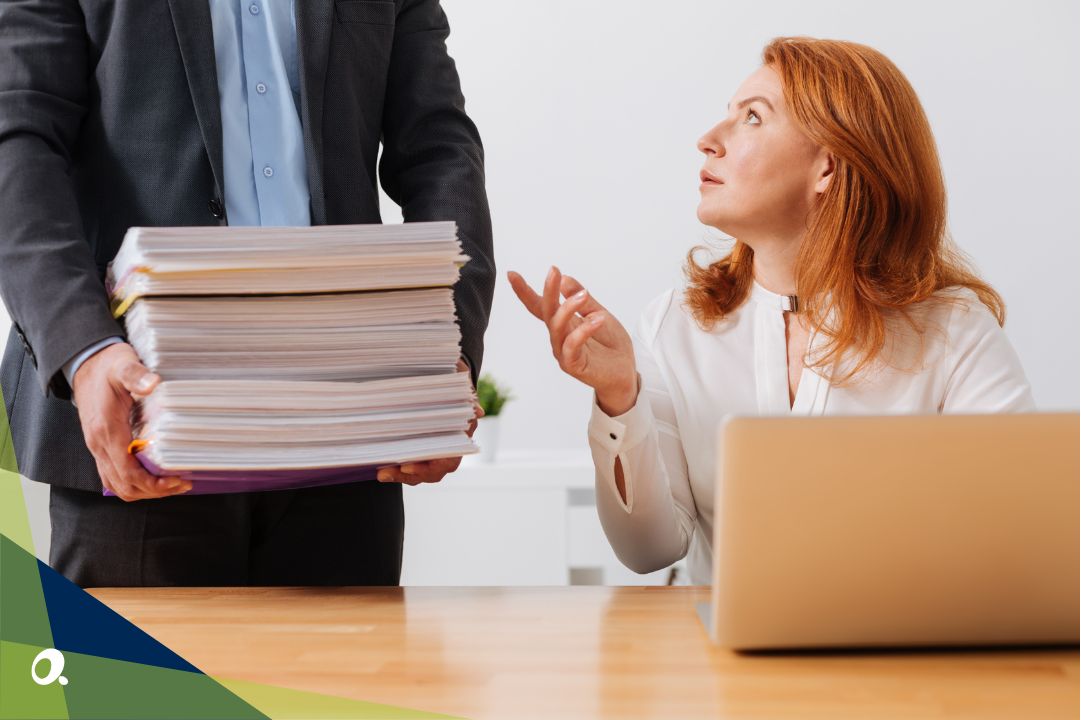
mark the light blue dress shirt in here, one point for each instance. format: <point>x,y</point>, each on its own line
<point>255,46</point>
<point>266,182</point>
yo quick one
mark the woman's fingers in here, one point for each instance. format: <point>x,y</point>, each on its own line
<point>571,287</point>
<point>565,320</point>
<point>529,298</point>
<point>571,351</point>
<point>550,298</point>
<point>611,333</point>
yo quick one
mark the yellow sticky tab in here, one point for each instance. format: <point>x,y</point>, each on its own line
<point>121,305</point>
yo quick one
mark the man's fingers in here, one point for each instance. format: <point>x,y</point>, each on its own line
<point>529,298</point>
<point>114,435</point>
<point>395,475</point>
<point>111,476</point>
<point>431,470</point>
<point>127,492</point>
<point>415,473</point>
<point>105,420</point>
<point>172,485</point>
<point>388,474</point>
<point>111,483</point>
<point>135,476</point>
<point>137,380</point>
<point>129,484</point>
<point>444,466</point>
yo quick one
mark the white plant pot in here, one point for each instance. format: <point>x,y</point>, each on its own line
<point>487,438</point>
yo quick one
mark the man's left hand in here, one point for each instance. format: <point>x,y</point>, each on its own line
<point>430,471</point>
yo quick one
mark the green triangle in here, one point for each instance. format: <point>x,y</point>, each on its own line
<point>7,448</point>
<point>288,704</point>
<point>23,615</point>
<point>24,632</point>
<point>14,522</point>
<point>106,688</point>
<point>20,697</point>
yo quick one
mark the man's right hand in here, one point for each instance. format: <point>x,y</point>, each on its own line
<point>105,387</point>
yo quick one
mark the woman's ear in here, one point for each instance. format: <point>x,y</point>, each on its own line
<point>824,170</point>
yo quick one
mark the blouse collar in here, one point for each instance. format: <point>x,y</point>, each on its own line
<point>771,299</point>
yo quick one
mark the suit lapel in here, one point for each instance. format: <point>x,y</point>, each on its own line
<point>314,18</point>
<point>195,34</point>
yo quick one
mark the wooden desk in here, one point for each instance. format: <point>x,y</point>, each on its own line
<point>570,652</point>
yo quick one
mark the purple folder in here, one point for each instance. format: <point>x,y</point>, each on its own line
<point>205,482</point>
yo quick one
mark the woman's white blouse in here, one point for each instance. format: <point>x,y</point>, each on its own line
<point>691,379</point>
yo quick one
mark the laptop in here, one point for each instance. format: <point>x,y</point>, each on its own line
<point>901,531</point>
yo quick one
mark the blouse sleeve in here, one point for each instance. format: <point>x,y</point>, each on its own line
<point>653,528</point>
<point>983,372</point>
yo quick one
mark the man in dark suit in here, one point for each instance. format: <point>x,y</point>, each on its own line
<point>202,112</point>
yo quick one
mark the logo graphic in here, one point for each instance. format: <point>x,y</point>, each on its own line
<point>56,666</point>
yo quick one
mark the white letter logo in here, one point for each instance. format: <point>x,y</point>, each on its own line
<point>56,666</point>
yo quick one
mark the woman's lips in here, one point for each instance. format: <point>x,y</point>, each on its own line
<point>709,180</point>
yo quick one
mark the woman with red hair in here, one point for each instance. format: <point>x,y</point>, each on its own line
<point>842,294</point>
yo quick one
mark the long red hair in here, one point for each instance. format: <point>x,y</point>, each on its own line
<point>877,242</point>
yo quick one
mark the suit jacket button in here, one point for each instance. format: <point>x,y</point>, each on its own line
<point>216,208</point>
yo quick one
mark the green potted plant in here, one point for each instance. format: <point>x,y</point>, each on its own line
<point>492,397</point>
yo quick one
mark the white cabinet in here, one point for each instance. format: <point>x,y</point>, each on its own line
<point>528,519</point>
<point>525,520</point>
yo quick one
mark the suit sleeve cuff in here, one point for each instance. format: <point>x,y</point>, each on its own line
<point>468,363</point>
<point>72,366</point>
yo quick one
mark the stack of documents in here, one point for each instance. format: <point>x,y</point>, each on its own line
<point>293,357</point>
<point>347,336</point>
<point>233,435</point>
<point>256,260</point>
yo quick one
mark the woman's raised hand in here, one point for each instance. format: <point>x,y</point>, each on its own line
<point>587,341</point>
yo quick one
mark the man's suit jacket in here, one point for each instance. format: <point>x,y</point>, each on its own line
<point>110,118</point>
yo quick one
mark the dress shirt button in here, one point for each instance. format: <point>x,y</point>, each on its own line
<point>254,8</point>
<point>612,435</point>
<point>260,88</point>
<point>216,208</point>
<point>268,171</point>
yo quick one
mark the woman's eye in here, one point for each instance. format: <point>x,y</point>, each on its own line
<point>752,118</point>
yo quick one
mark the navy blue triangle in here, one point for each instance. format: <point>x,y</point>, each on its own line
<point>83,624</point>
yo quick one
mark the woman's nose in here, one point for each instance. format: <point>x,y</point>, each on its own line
<point>710,144</point>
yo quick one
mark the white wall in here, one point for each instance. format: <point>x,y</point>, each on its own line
<point>590,112</point>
